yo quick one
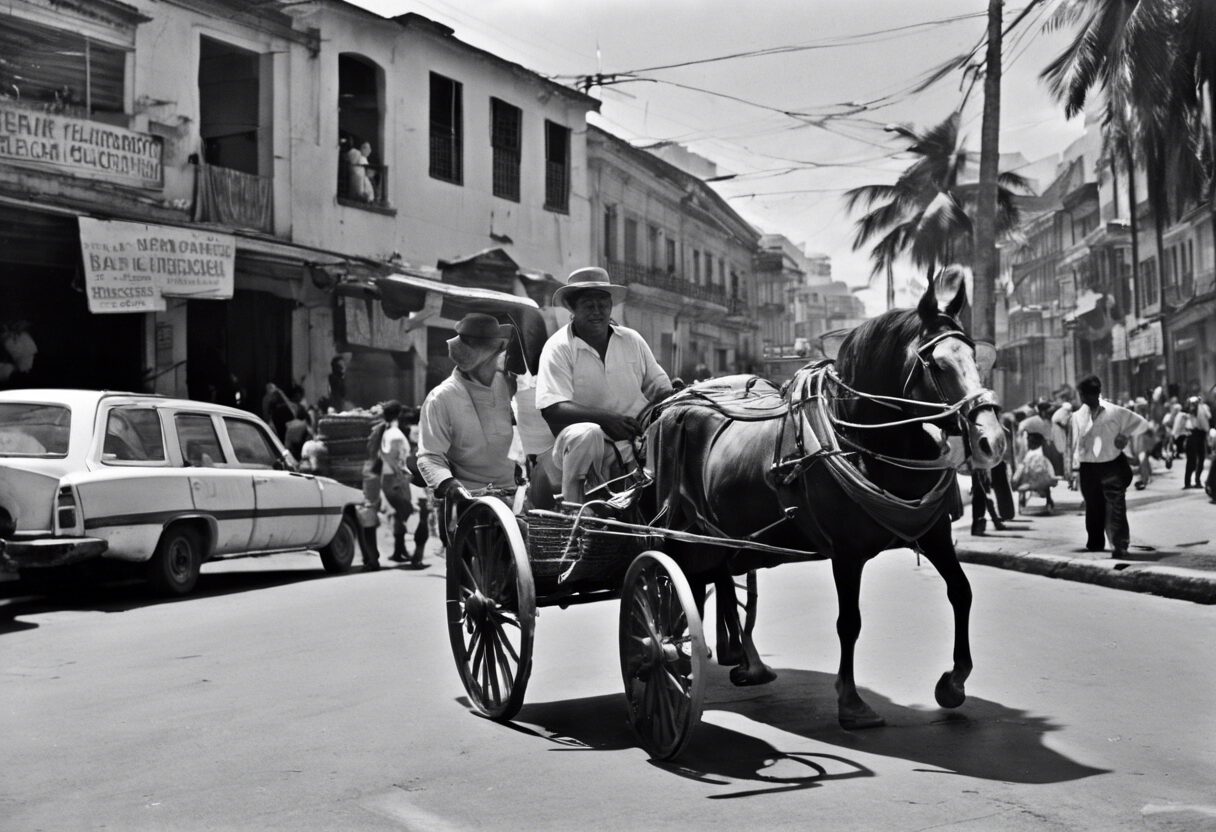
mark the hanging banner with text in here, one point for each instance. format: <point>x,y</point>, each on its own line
<point>133,267</point>
<point>80,147</point>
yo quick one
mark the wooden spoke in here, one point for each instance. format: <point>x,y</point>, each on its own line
<point>663,654</point>
<point>492,608</point>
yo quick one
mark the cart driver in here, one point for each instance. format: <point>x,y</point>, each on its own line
<point>465,429</point>
<point>595,378</point>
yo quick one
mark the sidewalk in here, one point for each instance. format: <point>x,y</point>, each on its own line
<point>1173,541</point>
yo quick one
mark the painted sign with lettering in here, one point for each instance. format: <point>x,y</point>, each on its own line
<point>133,267</point>
<point>80,147</point>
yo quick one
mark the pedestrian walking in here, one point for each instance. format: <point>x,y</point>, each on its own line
<point>395,479</point>
<point>1196,420</point>
<point>369,512</point>
<point>1145,444</point>
<point>1101,431</point>
<point>983,505</point>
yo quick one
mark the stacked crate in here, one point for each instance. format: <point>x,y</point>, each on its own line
<point>345,437</point>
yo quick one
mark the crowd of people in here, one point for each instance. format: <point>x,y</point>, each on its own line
<point>1100,448</point>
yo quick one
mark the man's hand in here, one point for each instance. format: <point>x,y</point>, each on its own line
<point>455,493</point>
<point>1121,441</point>
<point>619,427</point>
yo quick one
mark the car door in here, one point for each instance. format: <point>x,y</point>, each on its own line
<point>219,489</point>
<point>288,503</point>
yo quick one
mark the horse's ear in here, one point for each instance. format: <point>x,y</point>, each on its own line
<point>927,308</point>
<point>953,282</point>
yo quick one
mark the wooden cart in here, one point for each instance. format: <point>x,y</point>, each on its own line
<point>501,568</point>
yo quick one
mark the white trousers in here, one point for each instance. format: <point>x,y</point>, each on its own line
<point>581,458</point>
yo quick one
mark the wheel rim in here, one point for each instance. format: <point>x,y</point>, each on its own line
<point>662,654</point>
<point>181,560</point>
<point>344,545</point>
<point>491,611</point>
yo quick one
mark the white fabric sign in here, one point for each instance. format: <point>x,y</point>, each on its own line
<point>133,267</point>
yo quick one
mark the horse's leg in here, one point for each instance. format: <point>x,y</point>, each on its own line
<point>730,645</point>
<point>852,711</point>
<point>939,549</point>
<point>749,669</point>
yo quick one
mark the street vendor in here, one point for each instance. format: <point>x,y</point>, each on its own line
<point>595,379</point>
<point>465,430</point>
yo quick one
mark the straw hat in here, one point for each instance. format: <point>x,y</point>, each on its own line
<point>478,338</point>
<point>591,277</point>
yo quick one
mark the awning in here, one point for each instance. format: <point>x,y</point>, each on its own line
<point>418,299</point>
<point>1087,302</point>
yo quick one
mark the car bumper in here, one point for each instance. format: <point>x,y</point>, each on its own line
<point>51,551</point>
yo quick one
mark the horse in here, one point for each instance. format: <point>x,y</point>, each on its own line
<point>783,478</point>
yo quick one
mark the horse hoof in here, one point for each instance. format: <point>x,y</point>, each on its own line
<point>948,695</point>
<point>745,676</point>
<point>860,719</point>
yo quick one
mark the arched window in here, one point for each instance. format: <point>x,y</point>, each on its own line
<point>362,172</point>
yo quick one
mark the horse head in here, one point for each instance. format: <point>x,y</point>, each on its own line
<point>945,366</point>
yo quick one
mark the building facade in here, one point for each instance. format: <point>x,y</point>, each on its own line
<point>225,130</point>
<point>684,253</point>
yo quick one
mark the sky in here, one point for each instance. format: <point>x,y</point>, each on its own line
<point>788,174</point>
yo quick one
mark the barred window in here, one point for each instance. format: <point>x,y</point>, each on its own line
<point>506,123</point>
<point>557,167</point>
<point>447,129</point>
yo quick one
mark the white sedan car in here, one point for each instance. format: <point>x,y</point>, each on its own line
<point>167,482</point>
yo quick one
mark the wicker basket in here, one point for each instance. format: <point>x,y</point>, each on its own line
<point>597,553</point>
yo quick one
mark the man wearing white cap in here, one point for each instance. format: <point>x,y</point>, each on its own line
<point>465,429</point>
<point>595,378</point>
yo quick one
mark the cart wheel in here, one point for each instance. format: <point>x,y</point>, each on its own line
<point>663,654</point>
<point>491,604</point>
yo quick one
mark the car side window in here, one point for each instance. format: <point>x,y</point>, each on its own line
<point>198,440</point>
<point>133,434</point>
<point>250,444</point>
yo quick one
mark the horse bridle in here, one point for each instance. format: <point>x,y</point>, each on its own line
<point>928,369</point>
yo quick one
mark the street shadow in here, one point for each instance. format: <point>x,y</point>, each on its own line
<point>983,739</point>
<point>715,755</point>
<point>115,590</point>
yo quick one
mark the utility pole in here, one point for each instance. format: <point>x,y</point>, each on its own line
<point>985,266</point>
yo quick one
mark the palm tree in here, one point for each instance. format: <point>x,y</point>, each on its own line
<point>926,214</point>
<point>1149,66</point>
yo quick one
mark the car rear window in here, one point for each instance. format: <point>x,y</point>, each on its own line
<point>133,435</point>
<point>34,430</point>
<point>250,444</point>
<point>199,443</point>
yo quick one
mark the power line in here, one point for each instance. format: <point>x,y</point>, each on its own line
<point>826,43</point>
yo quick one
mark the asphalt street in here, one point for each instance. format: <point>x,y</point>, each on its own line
<point>281,698</point>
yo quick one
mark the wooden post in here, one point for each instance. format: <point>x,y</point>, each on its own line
<point>985,262</point>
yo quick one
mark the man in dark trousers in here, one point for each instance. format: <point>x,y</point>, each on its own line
<point>1100,434</point>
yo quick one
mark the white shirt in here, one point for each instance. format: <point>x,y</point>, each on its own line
<point>1094,436</point>
<point>394,447</point>
<point>623,382</point>
<point>465,432</point>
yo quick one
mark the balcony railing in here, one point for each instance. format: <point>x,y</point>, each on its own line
<point>627,273</point>
<point>352,191</point>
<point>233,198</point>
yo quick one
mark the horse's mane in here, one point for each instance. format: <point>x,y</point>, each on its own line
<point>873,355</point>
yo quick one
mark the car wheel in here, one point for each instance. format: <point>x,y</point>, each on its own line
<point>173,569</point>
<point>339,554</point>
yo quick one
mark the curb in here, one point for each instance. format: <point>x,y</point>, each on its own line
<point>1168,581</point>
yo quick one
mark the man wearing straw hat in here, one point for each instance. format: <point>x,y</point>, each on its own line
<point>465,428</point>
<point>595,378</point>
